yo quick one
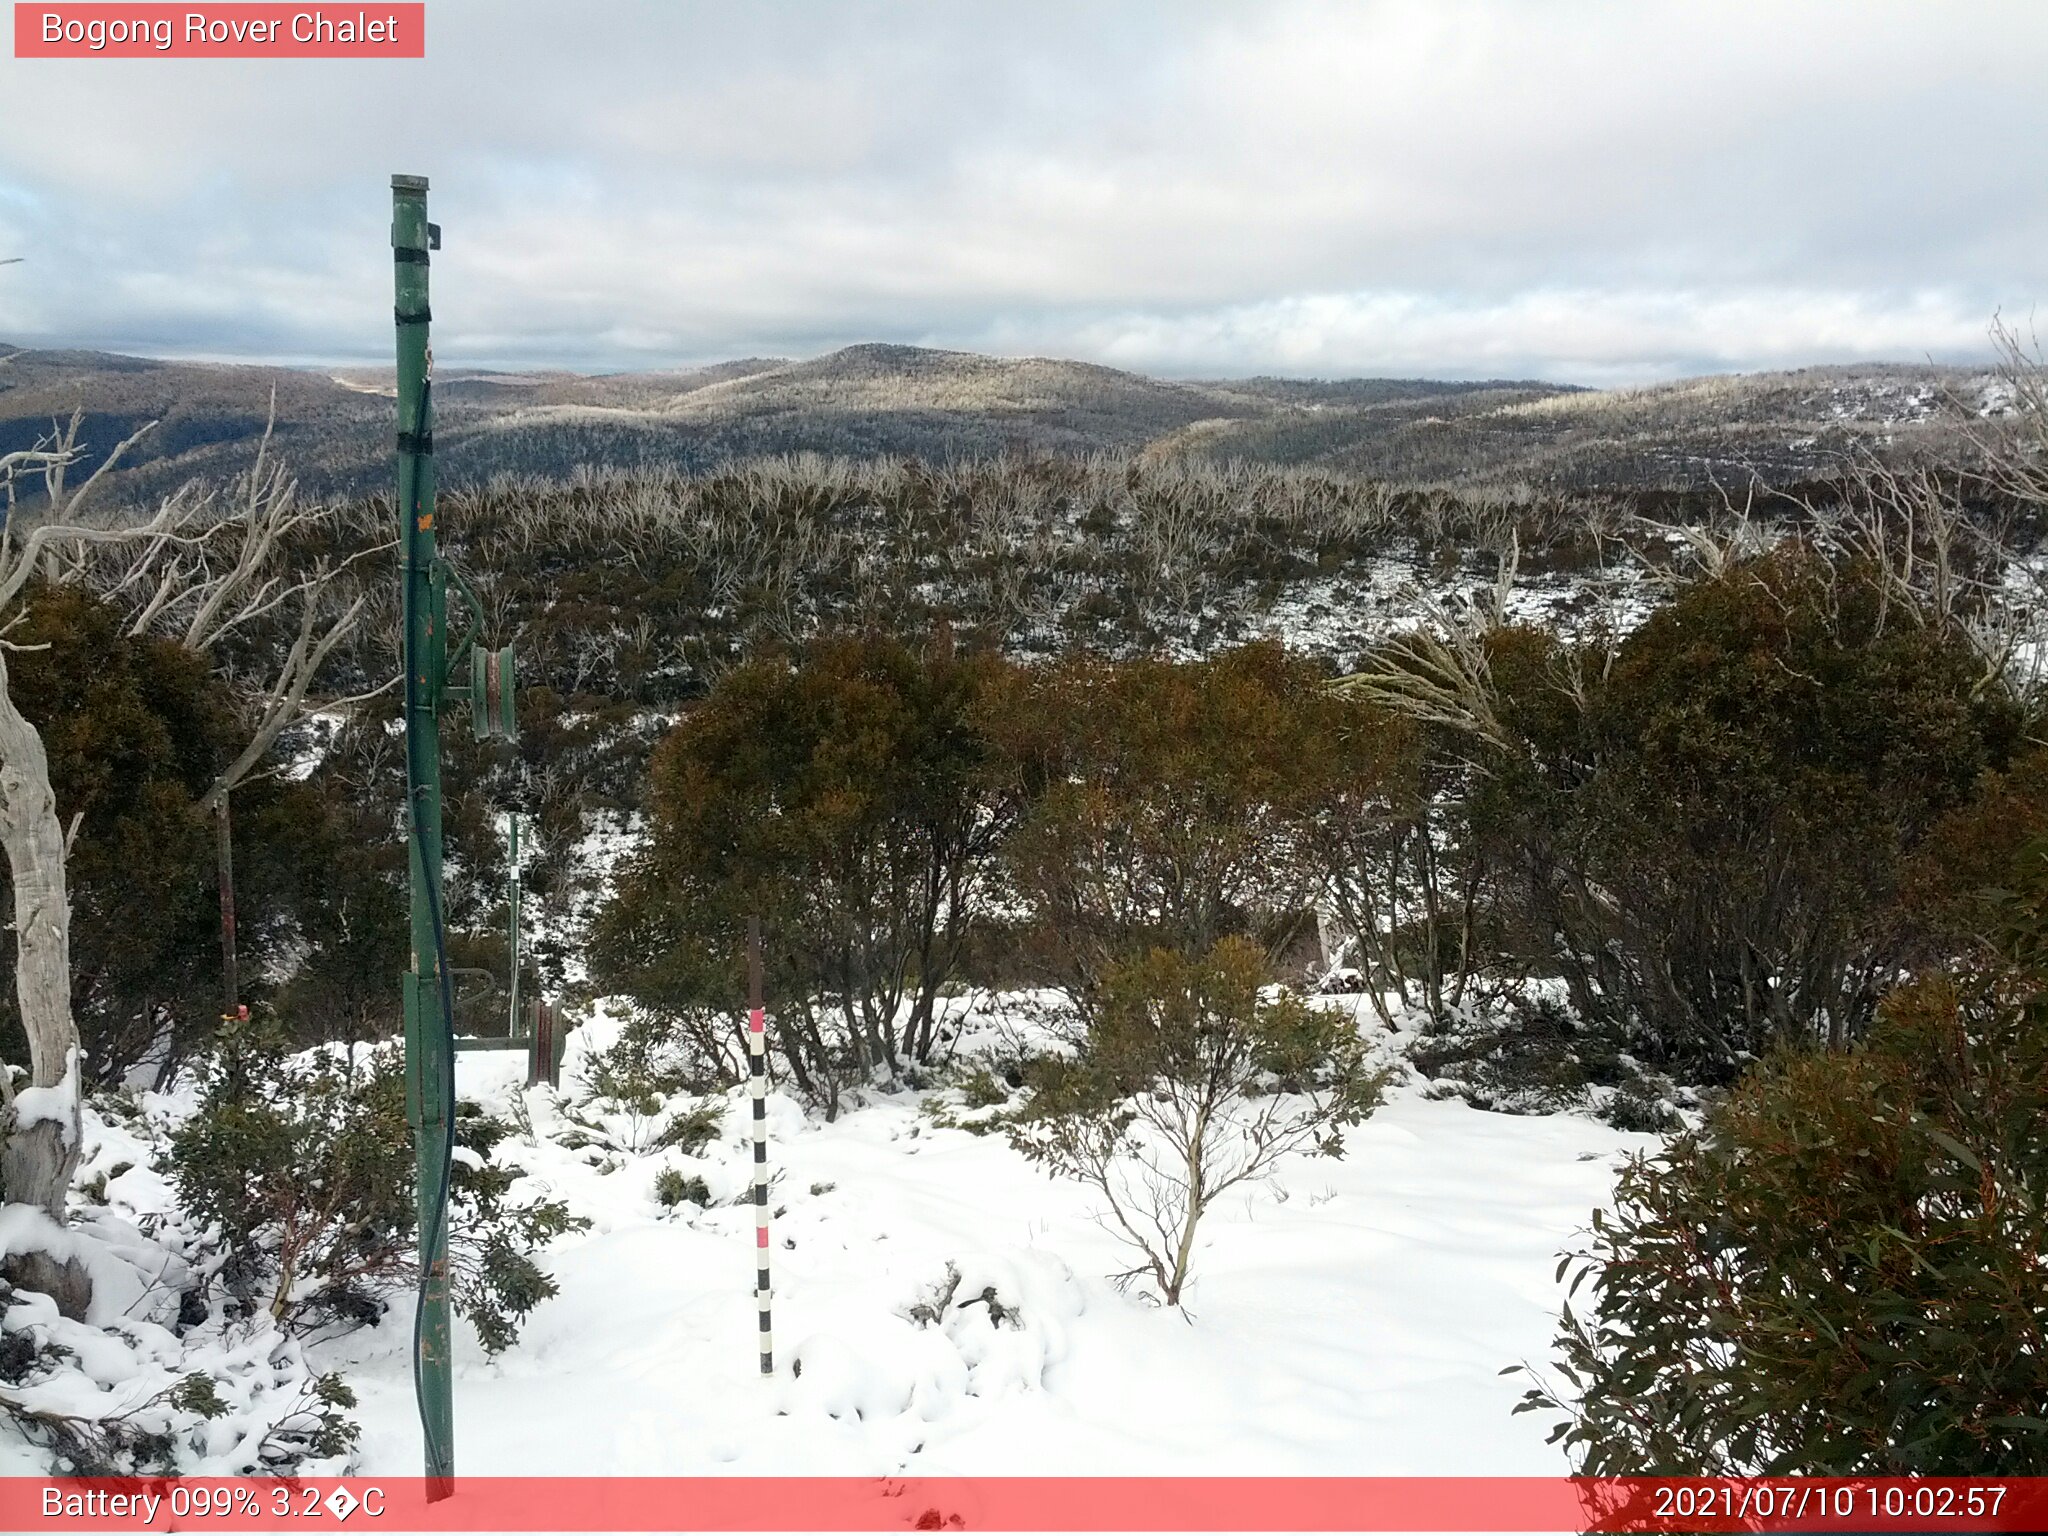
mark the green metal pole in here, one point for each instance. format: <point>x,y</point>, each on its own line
<point>430,1061</point>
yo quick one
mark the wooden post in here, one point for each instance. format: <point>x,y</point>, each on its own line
<point>543,1057</point>
<point>512,905</point>
<point>224,852</point>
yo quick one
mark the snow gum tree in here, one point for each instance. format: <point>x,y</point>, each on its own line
<point>39,1127</point>
<point>1192,1081</point>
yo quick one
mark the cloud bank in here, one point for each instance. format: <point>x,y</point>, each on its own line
<point>1586,192</point>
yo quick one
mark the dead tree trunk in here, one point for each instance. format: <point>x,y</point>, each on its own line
<point>41,1128</point>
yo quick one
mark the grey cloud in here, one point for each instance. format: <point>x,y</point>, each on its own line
<point>1586,191</point>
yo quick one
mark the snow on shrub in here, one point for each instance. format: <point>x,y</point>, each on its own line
<point>153,1379</point>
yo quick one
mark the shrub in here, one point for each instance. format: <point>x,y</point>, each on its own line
<point>1190,1083</point>
<point>672,1187</point>
<point>693,1130</point>
<point>491,1243</point>
<point>1709,835</point>
<point>1637,1106</point>
<point>1974,849</point>
<point>1841,1273</point>
<point>634,1088</point>
<point>1530,1057</point>
<point>1176,804</point>
<point>306,1162</point>
<point>845,801</point>
<point>981,1090</point>
<point>136,728</point>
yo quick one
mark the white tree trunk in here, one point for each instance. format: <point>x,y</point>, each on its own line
<point>41,1126</point>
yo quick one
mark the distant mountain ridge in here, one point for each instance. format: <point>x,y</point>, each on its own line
<point>886,400</point>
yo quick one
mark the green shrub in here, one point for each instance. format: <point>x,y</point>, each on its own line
<point>1977,847</point>
<point>1842,1272</point>
<point>1708,831</point>
<point>634,1093</point>
<point>1176,804</point>
<point>672,1187</point>
<point>135,729</point>
<point>847,802</point>
<point>693,1130</point>
<point>1191,1082</point>
<point>1637,1106</point>
<point>981,1090</point>
<point>306,1162</point>
<point>1526,1061</point>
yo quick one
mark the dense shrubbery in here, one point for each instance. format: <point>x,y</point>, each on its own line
<point>1720,845</point>
<point>306,1162</point>
<point>879,807</point>
<point>1732,833</point>
<point>1738,825</point>
<point>849,802</point>
<point>1842,1272</point>
<point>1176,804</point>
<point>136,729</point>
<point>1709,830</point>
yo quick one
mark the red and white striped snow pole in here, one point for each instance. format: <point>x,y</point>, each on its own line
<point>757,1055</point>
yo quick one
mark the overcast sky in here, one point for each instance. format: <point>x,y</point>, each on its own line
<point>1586,192</point>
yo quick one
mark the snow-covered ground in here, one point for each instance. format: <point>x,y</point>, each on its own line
<point>1349,1317</point>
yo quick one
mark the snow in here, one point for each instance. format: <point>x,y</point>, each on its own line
<point>942,1307</point>
<point>126,1356</point>
<point>313,737</point>
<point>1348,1317</point>
<point>57,1103</point>
<point>115,1267</point>
<point>609,840</point>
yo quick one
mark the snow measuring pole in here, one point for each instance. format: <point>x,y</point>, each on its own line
<point>757,1055</point>
<point>429,987</point>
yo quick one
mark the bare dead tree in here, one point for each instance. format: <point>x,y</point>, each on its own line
<point>2011,443</point>
<point>233,566</point>
<point>1937,566</point>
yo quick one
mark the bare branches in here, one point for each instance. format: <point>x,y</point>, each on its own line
<point>2010,436</point>
<point>204,570</point>
<point>60,549</point>
<point>1716,546</point>
<point>52,457</point>
<point>1939,566</point>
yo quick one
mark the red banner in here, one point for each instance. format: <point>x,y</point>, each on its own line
<point>1030,1504</point>
<point>263,31</point>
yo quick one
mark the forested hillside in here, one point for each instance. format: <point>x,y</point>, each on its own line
<point>941,407</point>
